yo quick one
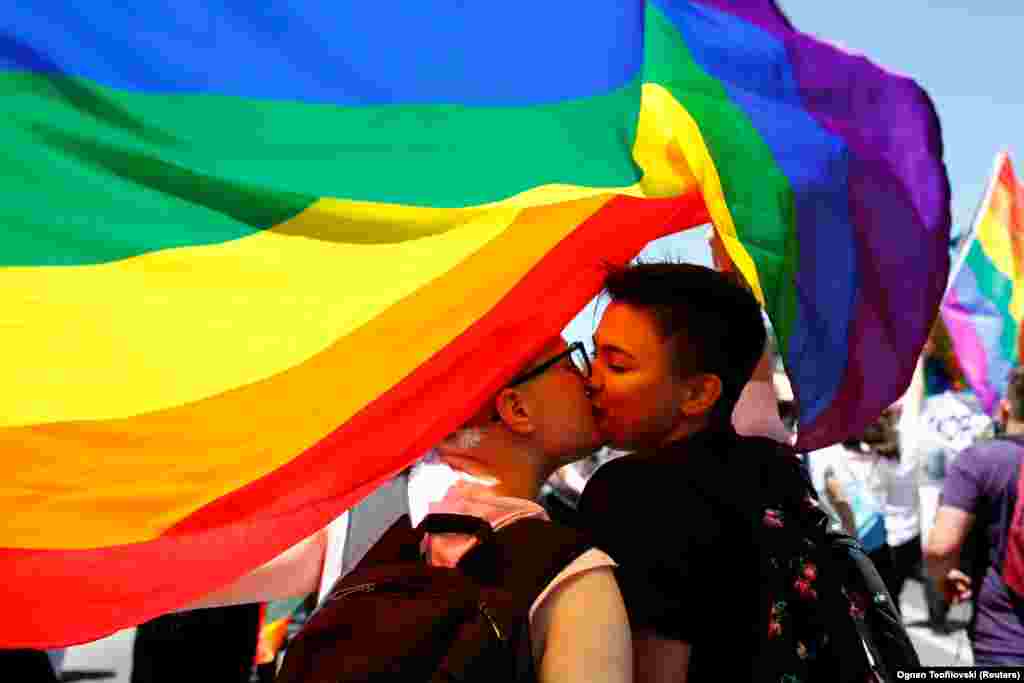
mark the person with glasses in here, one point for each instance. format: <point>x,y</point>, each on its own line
<point>493,468</point>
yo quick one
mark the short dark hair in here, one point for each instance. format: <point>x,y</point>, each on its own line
<point>709,317</point>
<point>1015,392</point>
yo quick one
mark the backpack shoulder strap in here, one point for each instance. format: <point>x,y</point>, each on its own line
<point>521,560</point>
<point>525,556</point>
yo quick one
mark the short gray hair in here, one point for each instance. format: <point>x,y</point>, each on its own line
<point>465,438</point>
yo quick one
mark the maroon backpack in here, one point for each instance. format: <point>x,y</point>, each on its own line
<point>397,618</point>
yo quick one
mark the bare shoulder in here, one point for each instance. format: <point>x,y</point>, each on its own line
<point>583,631</point>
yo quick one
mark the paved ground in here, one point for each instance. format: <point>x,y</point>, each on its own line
<point>935,649</point>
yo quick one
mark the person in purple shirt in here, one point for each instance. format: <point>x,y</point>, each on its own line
<point>975,498</point>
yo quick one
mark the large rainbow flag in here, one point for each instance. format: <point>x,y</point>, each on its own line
<point>254,260</point>
<point>985,302</point>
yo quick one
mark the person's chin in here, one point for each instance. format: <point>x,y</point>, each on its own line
<point>591,445</point>
<point>617,442</point>
<point>601,431</point>
<point>606,437</point>
<point>598,442</point>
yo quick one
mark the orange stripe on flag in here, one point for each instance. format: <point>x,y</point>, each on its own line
<point>118,586</point>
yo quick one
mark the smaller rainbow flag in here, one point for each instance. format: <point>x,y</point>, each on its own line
<point>985,302</point>
<point>274,619</point>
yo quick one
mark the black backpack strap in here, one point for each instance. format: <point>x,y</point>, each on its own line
<point>521,559</point>
<point>525,556</point>
<point>446,522</point>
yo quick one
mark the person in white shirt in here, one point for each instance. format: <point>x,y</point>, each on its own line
<point>874,484</point>
<point>494,468</point>
<point>851,477</point>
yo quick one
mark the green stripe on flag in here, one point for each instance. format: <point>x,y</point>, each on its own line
<point>997,288</point>
<point>95,174</point>
<point>764,219</point>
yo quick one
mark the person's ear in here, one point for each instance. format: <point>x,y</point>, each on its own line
<point>513,410</point>
<point>700,394</point>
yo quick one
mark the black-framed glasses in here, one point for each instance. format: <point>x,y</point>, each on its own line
<point>576,352</point>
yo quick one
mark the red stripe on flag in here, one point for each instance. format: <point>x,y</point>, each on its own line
<point>53,598</point>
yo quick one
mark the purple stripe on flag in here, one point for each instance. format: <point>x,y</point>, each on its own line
<point>899,202</point>
<point>760,81</point>
<point>893,315</point>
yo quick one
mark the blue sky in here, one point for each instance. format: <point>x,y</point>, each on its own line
<point>967,54</point>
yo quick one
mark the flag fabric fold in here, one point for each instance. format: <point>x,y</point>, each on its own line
<point>255,261</point>
<point>985,302</point>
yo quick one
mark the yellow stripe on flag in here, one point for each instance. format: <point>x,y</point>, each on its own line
<point>668,114</point>
<point>167,328</point>
<point>997,245</point>
<point>171,327</point>
<point>199,451</point>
